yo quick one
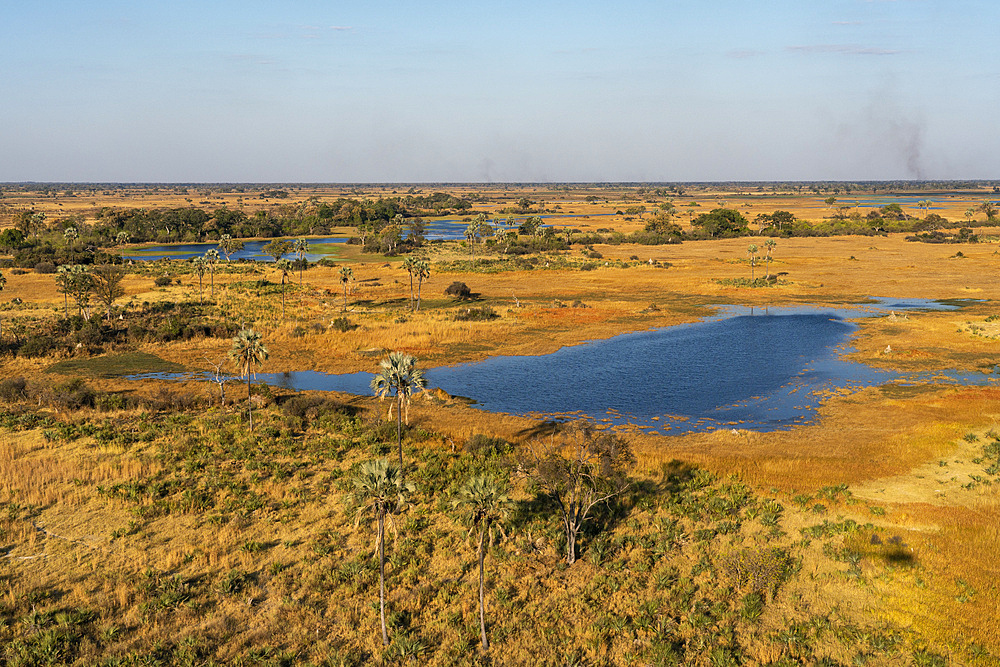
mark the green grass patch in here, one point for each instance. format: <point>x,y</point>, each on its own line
<point>114,365</point>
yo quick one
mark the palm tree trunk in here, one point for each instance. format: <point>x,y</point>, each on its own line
<point>399,426</point>
<point>482,597</point>
<point>282,297</point>
<point>345,297</point>
<point>213,283</point>
<point>381,576</point>
<point>249,402</point>
<point>411,291</point>
<point>420,282</point>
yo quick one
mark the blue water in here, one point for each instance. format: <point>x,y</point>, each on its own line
<point>252,250</point>
<point>764,371</point>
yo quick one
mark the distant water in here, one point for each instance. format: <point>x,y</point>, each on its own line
<point>764,371</point>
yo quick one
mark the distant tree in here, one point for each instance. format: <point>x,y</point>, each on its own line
<point>830,201</point>
<point>483,506</point>
<point>277,248</point>
<point>410,264</point>
<point>423,270</point>
<point>416,228</point>
<point>379,493</point>
<point>63,284</point>
<point>211,260</point>
<point>300,248</point>
<point>79,283</point>
<point>752,252</point>
<point>71,234</point>
<point>398,376</point>
<point>106,284</point>
<point>970,213</point>
<point>530,226</point>
<point>3,284</point>
<point>722,222</point>
<point>769,244</point>
<point>122,238</point>
<point>581,470</point>
<point>200,268</point>
<point>990,209</point>
<point>285,267</point>
<point>11,238</point>
<point>248,353</point>
<point>345,277</point>
<point>228,245</point>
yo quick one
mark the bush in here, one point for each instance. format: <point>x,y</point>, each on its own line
<point>484,314</point>
<point>162,281</point>
<point>759,570</point>
<point>13,389</point>
<point>45,267</point>
<point>310,407</point>
<point>36,346</point>
<point>486,445</point>
<point>459,290</point>
<point>343,324</point>
<point>72,394</point>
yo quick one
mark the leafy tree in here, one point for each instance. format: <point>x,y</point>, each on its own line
<point>721,222</point>
<point>530,226</point>
<point>990,209</point>
<point>211,259</point>
<point>752,252</point>
<point>970,213</point>
<point>830,201</point>
<point>345,277</point>
<point>398,376</point>
<point>63,284</point>
<point>248,353</point>
<point>285,267</point>
<point>277,248</point>
<point>300,247</point>
<point>483,507</point>
<point>71,234</point>
<point>579,472</point>
<point>379,493</point>
<point>11,238</point>
<point>79,284</point>
<point>200,267</point>
<point>228,245</point>
<point>106,284</point>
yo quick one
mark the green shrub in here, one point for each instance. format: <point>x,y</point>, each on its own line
<point>483,314</point>
<point>759,570</point>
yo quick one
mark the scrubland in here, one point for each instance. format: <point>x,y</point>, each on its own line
<point>144,524</point>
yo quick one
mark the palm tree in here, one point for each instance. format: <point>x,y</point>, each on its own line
<point>71,234</point>
<point>379,493</point>
<point>484,507</point>
<point>752,251</point>
<point>285,267</point>
<point>3,283</point>
<point>399,376</point>
<point>423,268</point>
<point>345,277</point>
<point>228,245</point>
<point>122,238</point>
<point>211,257</point>
<point>300,247</point>
<point>200,266</point>
<point>410,264</point>
<point>248,353</point>
<point>769,245</point>
<point>63,282</point>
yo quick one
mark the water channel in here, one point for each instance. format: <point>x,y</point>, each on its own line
<point>743,368</point>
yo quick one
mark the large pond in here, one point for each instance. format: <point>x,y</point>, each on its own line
<point>748,369</point>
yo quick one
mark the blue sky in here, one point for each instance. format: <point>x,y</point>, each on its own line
<point>680,90</point>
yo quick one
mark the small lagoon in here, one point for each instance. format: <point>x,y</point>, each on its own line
<point>755,369</point>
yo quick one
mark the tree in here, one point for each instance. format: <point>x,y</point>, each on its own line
<point>277,249</point>
<point>990,209</point>
<point>285,267</point>
<point>423,269</point>
<point>300,247</point>
<point>477,228</point>
<point>769,245</point>
<point>410,264</point>
<point>752,251</point>
<point>121,239</point>
<point>3,284</point>
<point>379,493</point>
<point>63,284</point>
<point>722,222</point>
<point>584,469</point>
<point>106,284</point>
<point>79,283</point>
<point>211,258</point>
<point>200,267</point>
<point>483,507</point>
<point>228,245</point>
<point>345,277</point>
<point>830,201</point>
<point>71,234</point>
<point>970,213</point>
<point>398,376</point>
<point>248,353</point>
<point>530,226</point>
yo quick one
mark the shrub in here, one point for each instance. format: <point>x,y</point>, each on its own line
<point>45,267</point>
<point>459,290</point>
<point>72,394</point>
<point>36,346</point>
<point>17,272</point>
<point>343,324</point>
<point>486,445</point>
<point>13,389</point>
<point>162,281</point>
<point>310,407</point>
<point>483,314</point>
<point>759,570</point>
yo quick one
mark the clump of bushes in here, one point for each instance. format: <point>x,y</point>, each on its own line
<point>343,324</point>
<point>484,314</point>
<point>459,290</point>
<point>45,267</point>
<point>487,445</point>
<point>162,281</point>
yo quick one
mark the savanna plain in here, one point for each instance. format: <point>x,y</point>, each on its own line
<point>150,522</point>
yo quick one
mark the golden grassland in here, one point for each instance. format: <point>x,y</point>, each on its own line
<point>912,458</point>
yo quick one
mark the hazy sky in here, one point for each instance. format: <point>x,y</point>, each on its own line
<point>659,90</point>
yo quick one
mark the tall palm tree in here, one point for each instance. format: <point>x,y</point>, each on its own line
<point>122,238</point>
<point>300,247</point>
<point>211,258</point>
<point>423,269</point>
<point>248,353</point>
<point>3,283</point>
<point>398,376</point>
<point>769,246</point>
<point>345,277</point>
<point>200,266</point>
<point>410,264</point>
<point>483,506</point>
<point>285,267</point>
<point>752,251</point>
<point>379,493</point>
<point>229,245</point>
